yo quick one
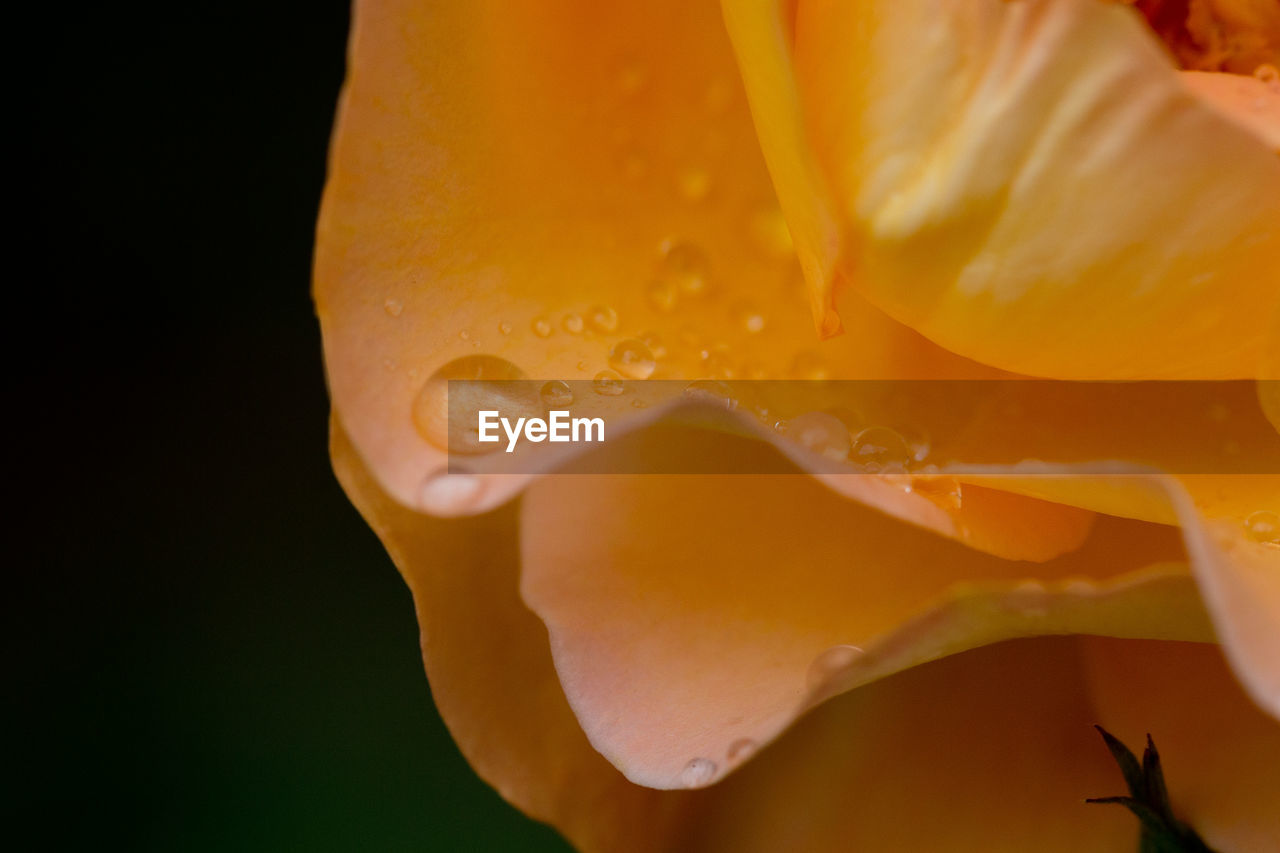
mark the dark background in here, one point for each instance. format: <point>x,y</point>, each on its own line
<point>211,650</point>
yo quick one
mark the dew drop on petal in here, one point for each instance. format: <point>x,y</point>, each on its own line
<point>832,663</point>
<point>632,359</point>
<point>495,383</point>
<point>822,433</point>
<point>662,295</point>
<point>542,327</point>
<point>712,391</point>
<point>698,773</point>
<point>740,750</point>
<point>556,394</point>
<point>881,449</point>
<point>443,493</point>
<point>686,267</point>
<point>654,343</point>
<point>572,323</point>
<point>504,328</point>
<point>608,383</point>
<point>1263,526</point>
<point>603,319</point>
<point>393,307</point>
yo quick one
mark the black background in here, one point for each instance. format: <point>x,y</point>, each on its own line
<point>211,651</point>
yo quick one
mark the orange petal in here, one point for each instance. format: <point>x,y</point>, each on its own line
<point>500,170</point>
<point>1031,185</point>
<point>689,614</point>
<point>994,750</point>
<point>491,677</point>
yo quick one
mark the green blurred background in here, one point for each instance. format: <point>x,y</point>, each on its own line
<point>212,651</point>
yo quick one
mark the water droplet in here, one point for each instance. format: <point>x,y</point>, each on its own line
<point>393,307</point>
<point>698,773</point>
<point>946,492</point>
<point>748,317</point>
<point>443,493</point>
<point>740,750</point>
<point>464,335</point>
<point>831,664</point>
<point>694,183</point>
<point>572,323</point>
<point>1263,526</point>
<point>918,441</point>
<point>504,328</point>
<point>881,449</point>
<point>452,424</point>
<point>632,359</point>
<point>556,394</point>
<point>809,366</point>
<point>662,294</point>
<point>822,433</point>
<point>655,344</point>
<point>712,391</point>
<point>686,267</point>
<point>542,327</point>
<point>1268,74</point>
<point>608,383</point>
<point>603,319</point>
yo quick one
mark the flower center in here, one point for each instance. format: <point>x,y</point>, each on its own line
<point>1236,36</point>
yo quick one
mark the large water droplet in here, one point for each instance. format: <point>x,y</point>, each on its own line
<point>1263,526</point>
<point>608,383</point>
<point>572,323</point>
<point>603,319</point>
<point>698,773</point>
<point>556,394</point>
<point>821,432</point>
<point>686,267</point>
<point>831,664</point>
<point>632,359</point>
<point>542,327</point>
<point>443,493</point>
<point>879,449</point>
<point>453,424</point>
<point>712,391</point>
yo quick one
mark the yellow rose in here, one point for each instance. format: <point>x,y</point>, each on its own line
<point>976,190</point>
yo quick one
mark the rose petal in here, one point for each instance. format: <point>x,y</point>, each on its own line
<point>994,750</point>
<point>483,177</point>
<point>491,677</point>
<point>1030,184</point>
<point>686,613</point>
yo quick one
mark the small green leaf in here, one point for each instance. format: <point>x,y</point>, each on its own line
<point>1149,800</point>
